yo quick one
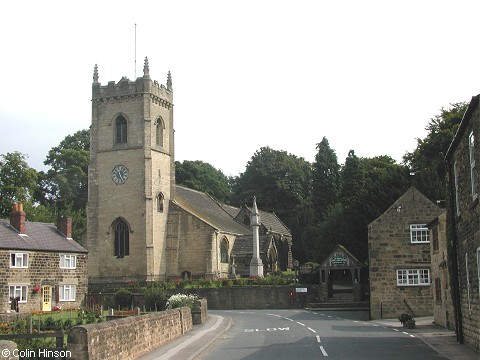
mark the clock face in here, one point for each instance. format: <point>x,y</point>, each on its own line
<point>119,174</point>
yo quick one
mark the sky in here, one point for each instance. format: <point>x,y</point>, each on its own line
<point>367,75</point>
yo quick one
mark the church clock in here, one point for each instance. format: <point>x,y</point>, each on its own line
<point>119,174</point>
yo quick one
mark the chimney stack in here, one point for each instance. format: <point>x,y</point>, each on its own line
<point>64,225</point>
<point>17,218</point>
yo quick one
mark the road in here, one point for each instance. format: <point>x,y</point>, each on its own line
<point>300,334</point>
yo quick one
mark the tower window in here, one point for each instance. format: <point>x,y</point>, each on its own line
<point>224,251</point>
<point>159,132</point>
<point>160,200</point>
<point>121,130</point>
<point>122,240</point>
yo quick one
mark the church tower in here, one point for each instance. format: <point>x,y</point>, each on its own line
<point>131,178</point>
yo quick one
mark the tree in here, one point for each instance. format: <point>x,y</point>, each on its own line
<point>66,182</point>
<point>201,176</point>
<point>282,183</point>
<point>18,182</point>
<point>326,179</point>
<point>64,188</point>
<point>427,162</point>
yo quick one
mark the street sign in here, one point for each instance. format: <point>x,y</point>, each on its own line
<point>301,290</point>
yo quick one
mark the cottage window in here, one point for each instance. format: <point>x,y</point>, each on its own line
<point>68,261</point>
<point>67,292</point>
<point>121,130</point>
<point>224,251</point>
<point>473,170</point>
<point>122,239</point>
<point>19,260</point>
<point>413,277</point>
<point>159,132</point>
<point>419,233</point>
<point>18,291</point>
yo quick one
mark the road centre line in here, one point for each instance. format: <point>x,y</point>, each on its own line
<point>299,323</point>
<point>318,339</point>
<point>312,330</point>
<point>323,351</point>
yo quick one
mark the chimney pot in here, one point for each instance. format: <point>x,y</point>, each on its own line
<point>64,225</point>
<point>17,218</point>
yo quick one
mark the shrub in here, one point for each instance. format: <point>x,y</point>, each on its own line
<point>155,298</point>
<point>227,282</point>
<point>123,298</point>
<point>179,300</point>
<point>241,282</point>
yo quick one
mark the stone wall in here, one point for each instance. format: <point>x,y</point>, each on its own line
<point>391,249</point>
<point>255,297</point>
<point>443,310</point>
<point>200,312</point>
<point>236,297</point>
<point>128,338</point>
<point>43,269</point>
<point>464,221</point>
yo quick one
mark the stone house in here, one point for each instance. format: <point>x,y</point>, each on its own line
<point>141,226</point>
<point>41,266</point>
<point>443,310</point>
<point>399,258</point>
<point>463,227</point>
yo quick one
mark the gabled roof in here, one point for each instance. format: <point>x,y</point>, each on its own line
<point>244,245</point>
<point>412,191</point>
<point>205,208</point>
<point>271,222</point>
<point>350,260</point>
<point>37,237</point>
<point>463,125</point>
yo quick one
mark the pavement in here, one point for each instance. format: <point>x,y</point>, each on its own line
<point>191,345</point>
<point>437,337</point>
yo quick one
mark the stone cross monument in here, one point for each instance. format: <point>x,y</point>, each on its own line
<point>256,264</point>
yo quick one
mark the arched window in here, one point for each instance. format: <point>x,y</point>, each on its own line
<point>121,130</point>
<point>160,200</point>
<point>159,132</point>
<point>122,245</point>
<point>224,251</point>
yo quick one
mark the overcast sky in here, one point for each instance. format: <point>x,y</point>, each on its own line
<point>368,75</point>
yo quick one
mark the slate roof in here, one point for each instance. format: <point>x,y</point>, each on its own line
<point>37,237</point>
<point>208,210</point>
<point>272,222</point>
<point>244,244</point>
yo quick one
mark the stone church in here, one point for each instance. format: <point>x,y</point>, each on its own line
<point>141,226</point>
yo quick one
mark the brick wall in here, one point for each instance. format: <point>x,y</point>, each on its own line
<point>128,338</point>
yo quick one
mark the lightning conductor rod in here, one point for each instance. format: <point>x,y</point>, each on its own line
<point>135,72</point>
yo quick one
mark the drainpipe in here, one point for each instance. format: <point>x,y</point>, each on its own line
<point>455,273</point>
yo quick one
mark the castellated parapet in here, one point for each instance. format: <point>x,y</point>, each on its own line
<point>159,93</point>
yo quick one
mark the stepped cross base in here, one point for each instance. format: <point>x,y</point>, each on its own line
<point>256,268</point>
